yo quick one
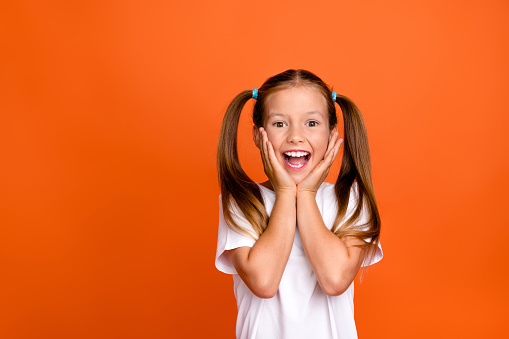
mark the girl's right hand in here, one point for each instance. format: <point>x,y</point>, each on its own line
<point>279,178</point>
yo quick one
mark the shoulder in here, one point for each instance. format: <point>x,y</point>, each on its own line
<point>268,197</point>
<point>327,194</point>
<point>326,187</point>
<point>325,191</point>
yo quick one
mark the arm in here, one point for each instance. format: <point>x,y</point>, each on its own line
<point>261,266</point>
<point>334,261</point>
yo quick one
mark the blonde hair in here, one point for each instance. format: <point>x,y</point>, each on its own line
<point>240,193</point>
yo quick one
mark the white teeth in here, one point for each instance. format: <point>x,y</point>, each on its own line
<point>295,166</point>
<point>296,154</point>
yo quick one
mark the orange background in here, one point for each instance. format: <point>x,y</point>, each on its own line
<point>110,116</point>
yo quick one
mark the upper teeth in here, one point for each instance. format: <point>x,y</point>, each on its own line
<point>296,154</point>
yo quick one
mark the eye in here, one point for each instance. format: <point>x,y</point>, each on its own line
<point>313,123</point>
<point>278,124</point>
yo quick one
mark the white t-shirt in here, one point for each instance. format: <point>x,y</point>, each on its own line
<point>299,309</point>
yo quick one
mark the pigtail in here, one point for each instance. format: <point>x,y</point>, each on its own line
<point>356,165</point>
<point>238,191</point>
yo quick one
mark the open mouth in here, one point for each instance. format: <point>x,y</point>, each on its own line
<point>296,160</point>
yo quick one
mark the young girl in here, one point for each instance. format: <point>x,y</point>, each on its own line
<point>295,243</point>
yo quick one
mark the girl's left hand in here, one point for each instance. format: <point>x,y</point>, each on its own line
<point>314,179</point>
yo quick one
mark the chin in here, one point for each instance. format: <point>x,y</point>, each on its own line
<point>297,180</point>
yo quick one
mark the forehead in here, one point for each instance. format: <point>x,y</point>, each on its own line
<point>298,101</point>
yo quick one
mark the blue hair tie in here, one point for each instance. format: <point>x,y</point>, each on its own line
<point>334,96</point>
<point>255,93</point>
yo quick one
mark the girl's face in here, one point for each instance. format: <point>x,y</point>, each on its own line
<point>297,125</point>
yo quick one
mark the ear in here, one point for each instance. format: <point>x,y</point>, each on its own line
<point>256,136</point>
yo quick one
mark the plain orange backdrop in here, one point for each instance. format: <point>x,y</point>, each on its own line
<point>110,116</point>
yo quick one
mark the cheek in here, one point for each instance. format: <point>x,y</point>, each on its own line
<point>321,145</point>
<point>321,140</point>
<point>274,139</point>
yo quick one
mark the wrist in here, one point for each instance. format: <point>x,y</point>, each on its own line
<point>286,192</point>
<point>304,194</point>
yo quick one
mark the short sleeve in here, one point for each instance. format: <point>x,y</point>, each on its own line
<point>378,252</point>
<point>329,201</point>
<point>376,258</point>
<point>228,239</point>
<point>364,218</point>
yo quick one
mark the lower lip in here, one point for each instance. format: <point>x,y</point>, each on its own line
<point>296,169</point>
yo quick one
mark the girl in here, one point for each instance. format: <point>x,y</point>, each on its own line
<point>294,243</point>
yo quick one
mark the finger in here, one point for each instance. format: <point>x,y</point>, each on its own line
<point>272,154</point>
<point>332,140</point>
<point>335,151</point>
<point>335,139</point>
<point>262,149</point>
<point>339,142</point>
<point>331,145</point>
<point>265,149</point>
<point>333,133</point>
<point>260,141</point>
<point>331,156</point>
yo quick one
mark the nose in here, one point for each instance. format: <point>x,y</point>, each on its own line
<point>295,135</point>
